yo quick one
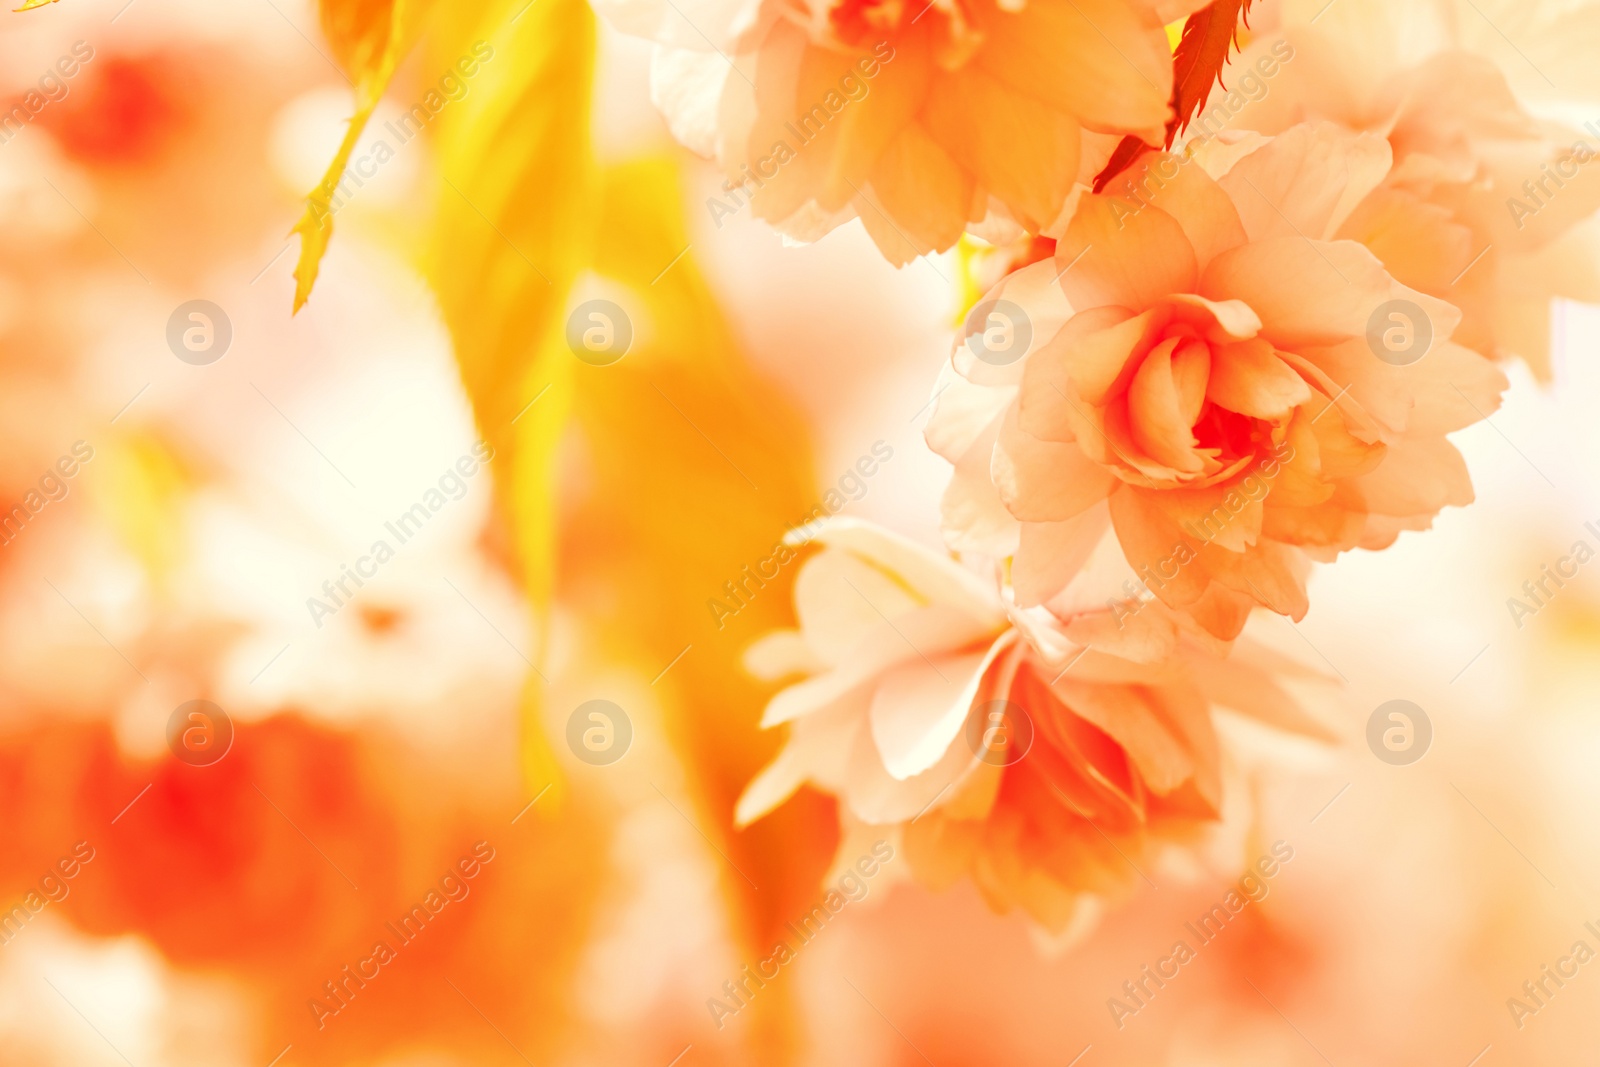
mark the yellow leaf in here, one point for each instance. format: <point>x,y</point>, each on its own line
<point>29,5</point>
<point>513,227</point>
<point>370,38</point>
<point>694,467</point>
<point>661,516</point>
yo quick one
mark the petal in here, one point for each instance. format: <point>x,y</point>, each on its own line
<point>1045,481</point>
<point>1050,554</point>
<point>1187,715</point>
<point>1227,515</point>
<point>754,117</point>
<point>1306,181</point>
<point>1104,576</point>
<point>1450,388</point>
<point>818,750</point>
<point>822,693</point>
<point>1327,525</point>
<point>973,518</point>
<point>1416,479</point>
<point>779,654</point>
<point>1022,151</point>
<point>1143,632</point>
<point>1152,542</point>
<point>1249,378</point>
<point>919,708</point>
<point>931,631</point>
<point>1116,254</point>
<point>842,123</point>
<point>1089,357</point>
<point>772,785</point>
<point>963,413</point>
<point>1129,715</point>
<point>686,86</point>
<point>1270,572</point>
<point>1315,292</point>
<point>870,793</point>
<point>1164,400</point>
<point>717,25</point>
<point>1218,321</point>
<point>919,198</point>
<point>840,599</point>
<point>932,576</point>
<point>1178,186</point>
<point>1033,291</point>
<point>1417,242</point>
<point>1120,74</point>
<point>1221,612</point>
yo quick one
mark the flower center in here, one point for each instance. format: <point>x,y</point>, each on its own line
<point>862,23</point>
<point>1232,435</point>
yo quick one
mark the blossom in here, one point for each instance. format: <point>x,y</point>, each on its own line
<point>1486,204</point>
<point>922,117</point>
<point>1243,384</point>
<point>993,739</point>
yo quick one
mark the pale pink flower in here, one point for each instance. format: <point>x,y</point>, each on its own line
<point>993,740</point>
<point>1241,383</point>
<point>923,117</point>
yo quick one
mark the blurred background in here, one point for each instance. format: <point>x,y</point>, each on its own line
<point>372,743</point>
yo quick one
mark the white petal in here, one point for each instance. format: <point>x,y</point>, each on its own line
<point>873,796</point>
<point>932,576</point>
<point>779,654</point>
<point>841,599</point>
<point>1036,290</point>
<point>963,413</point>
<point>774,784</point>
<point>973,517</point>
<point>932,631</point>
<point>919,708</point>
<point>686,86</point>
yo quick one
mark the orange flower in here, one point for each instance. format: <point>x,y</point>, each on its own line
<point>923,117</point>
<point>991,738</point>
<point>1243,385</point>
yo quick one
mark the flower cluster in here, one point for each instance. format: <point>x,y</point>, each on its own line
<point>1222,363</point>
